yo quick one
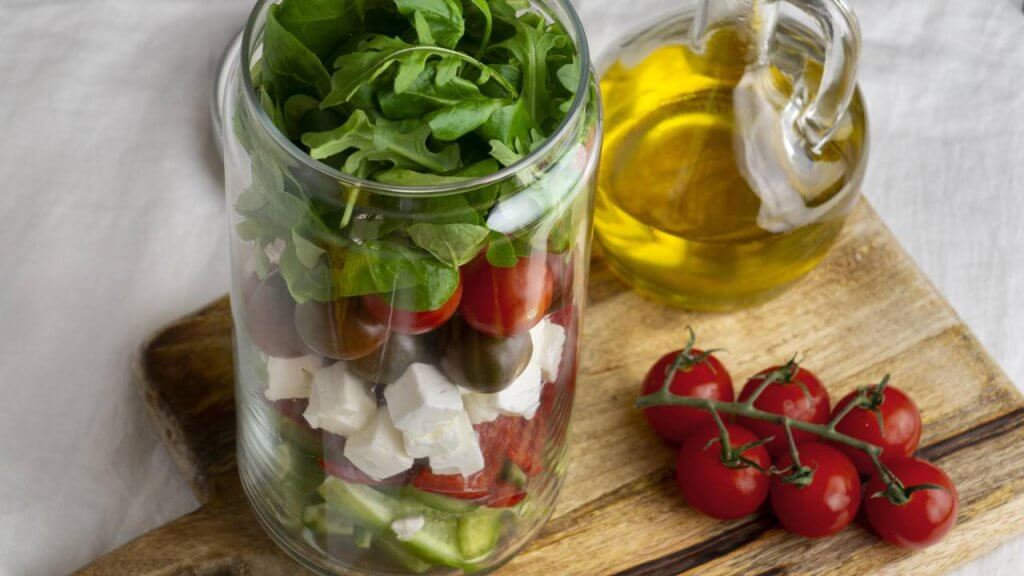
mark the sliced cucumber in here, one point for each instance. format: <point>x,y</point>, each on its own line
<point>479,532</point>
<point>437,541</point>
<point>323,521</point>
<point>439,501</point>
<point>362,537</point>
<point>362,504</point>
<point>394,551</point>
<point>291,431</point>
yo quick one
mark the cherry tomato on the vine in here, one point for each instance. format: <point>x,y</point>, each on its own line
<point>721,490</point>
<point>828,503</point>
<point>700,375</point>
<point>506,301</point>
<point>900,432</point>
<point>796,393</point>
<point>388,311</point>
<point>925,518</point>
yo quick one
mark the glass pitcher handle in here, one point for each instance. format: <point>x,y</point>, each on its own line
<point>820,116</point>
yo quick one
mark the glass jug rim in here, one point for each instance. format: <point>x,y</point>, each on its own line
<point>572,117</point>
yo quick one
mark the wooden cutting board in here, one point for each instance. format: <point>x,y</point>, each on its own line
<point>866,311</point>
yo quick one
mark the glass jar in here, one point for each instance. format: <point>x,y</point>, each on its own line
<point>735,146</point>
<point>403,404</point>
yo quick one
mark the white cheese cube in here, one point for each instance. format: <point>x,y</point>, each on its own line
<point>467,458</point>
<point>548,343</point>
<point>290,377</point>
<point>422,399</point>
<point>443,439</point>
<point>405,528</point>
<point>520,398</point>
<point>377,449</point>
<point>340,401</point>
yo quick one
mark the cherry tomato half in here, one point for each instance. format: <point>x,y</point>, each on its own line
<point>899,436</point>
<point>505,301</point>
<point>495,438</point>
<point>925,518</point>
<point>826,505</point>
<point>789,398</point>
<point>715,488</point>
<point>697,378</point>
<point>388,311</point>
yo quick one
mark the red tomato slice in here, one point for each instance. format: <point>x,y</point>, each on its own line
<point>506,301</point>
<point>385,310</point>
<point>504,495</point>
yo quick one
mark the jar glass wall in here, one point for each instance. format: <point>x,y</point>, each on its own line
<point>403,399</point>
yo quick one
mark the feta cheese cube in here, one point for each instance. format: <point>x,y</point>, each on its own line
<point>444,438</point>
<point>422,399</point>
<point>290,377</point>
<point>520,398</point>
<point>377,449</point>
<point>405,528</point>
<point>466,458</point>
<point>548,343</point>
<point>340,401</point>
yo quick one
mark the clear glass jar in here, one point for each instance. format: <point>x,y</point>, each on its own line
<point>374,438</point>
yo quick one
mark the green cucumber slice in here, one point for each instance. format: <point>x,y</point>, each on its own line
<point>303,438</point>
<point>479,532</point>
<point>394,551</point>
<point>323,522</point>
<point>362,537</point>
<point>362,504</point>
<point>439,501</point>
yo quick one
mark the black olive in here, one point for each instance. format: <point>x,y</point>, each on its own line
<point>481,362</point>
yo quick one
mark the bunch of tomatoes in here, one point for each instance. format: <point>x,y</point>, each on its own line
<point>728,468</point>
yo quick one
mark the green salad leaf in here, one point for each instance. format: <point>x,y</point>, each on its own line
<point>452,244</point>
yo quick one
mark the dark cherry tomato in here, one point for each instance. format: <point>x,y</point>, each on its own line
<point>336,464</point>
<point>388,310</point>
<point>899,436</point>
<point>798,394</point>
<point>387,363</point>
<point>338,329</point>
<point>698,376</point>
<point>270,319</point>
<point>505,301</point>
<point>483,362</point>
<point>826,505</point>
<point>718,489</point>
<point>494,440</point>
<point>922,520</point>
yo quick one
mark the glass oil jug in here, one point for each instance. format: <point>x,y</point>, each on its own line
<point>735,146</point>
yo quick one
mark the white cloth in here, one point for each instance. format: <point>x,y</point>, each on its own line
<point>112,223</point>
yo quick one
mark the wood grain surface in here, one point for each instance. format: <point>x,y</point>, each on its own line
<point>866,311</point>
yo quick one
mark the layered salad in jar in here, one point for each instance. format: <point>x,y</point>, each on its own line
<point>407,295</point>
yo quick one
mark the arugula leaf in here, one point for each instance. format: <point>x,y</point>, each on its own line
<point>379,267</point>
<point>402,144</point>
<point>406,177</point>
<point>569,75</point>
<point>443,19</point>
<point>503,154</point>
<point>294,109</point>
<point>305,251</point>
<point>453,122</point>
<point>452,244</point>
<point>530,46</point>
<point>426,95</point>
<point>485,10</point>
<point>288,64</point>
<point>321,25</point>
<point>507,124</point>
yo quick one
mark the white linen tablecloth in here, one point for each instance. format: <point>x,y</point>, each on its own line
<point>111,223</point>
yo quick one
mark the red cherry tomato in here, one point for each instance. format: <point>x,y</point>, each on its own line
<point>495,438</point>
<point>789,398</point>
<point>338,329</point>
<point>925,518</point>
<point>389,313</point>
<point>899,436</point>
<point>826,505</point>
<point>719,490</point>
<point>695,377</point>
<point>505,301</point>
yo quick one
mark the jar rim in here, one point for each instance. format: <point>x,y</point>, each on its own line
<point>576,110</point>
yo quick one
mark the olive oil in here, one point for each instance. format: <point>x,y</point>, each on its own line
<point>682,214</point>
